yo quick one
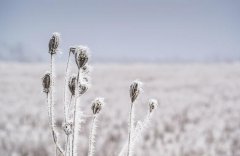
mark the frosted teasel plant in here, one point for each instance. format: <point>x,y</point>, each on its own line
<point>135,131</point>
<point>97,105</point>
<point>76,85</point>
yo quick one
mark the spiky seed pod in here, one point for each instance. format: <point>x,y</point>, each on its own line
<point>81,56</point>
<point>67,127</point>
<point>135,89</point>
<point>72,84</point>
<point>83,87</point>
<point>46,81</point>
<point>153,103</point>
<point>97,105</point>
<point>53,43</point>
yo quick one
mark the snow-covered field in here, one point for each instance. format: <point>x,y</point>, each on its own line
<point>199,112</point>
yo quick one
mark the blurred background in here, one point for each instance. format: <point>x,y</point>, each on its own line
<point>123,31</point>
<point>186,52</point>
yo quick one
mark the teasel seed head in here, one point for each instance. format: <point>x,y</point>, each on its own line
<point>135,89</point>
<point>67,127</point>
<point>54,43</point>
<point>83,87</point>
<point>97,105</point>
<point>81,56</point>
<point>72,84</point>
<point>153,103</point>
<point>46,81</point>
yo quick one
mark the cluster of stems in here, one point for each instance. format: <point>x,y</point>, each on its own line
<point>75,86</point>
<point>136,130</point>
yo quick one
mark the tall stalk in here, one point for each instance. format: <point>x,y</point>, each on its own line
<point>97,105</point>
<point>131,129</point>
<point>74,112</point>
<point>92,137</point>
<point>135,89</point>
<point>52,103</point>
<point>66,104</point>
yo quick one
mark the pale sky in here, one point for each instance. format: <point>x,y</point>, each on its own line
<point>126,30</point>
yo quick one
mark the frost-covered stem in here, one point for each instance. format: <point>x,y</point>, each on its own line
<point>92,136</point>
<point>68,142</point>
<point>124,149</point>
<point>141,127</point>
<point>70,145</point>
<point>49,109</point>
<point>67,146</point>
<point>70,102</point>
<point>74,112</point>
<point>130,131</point>
<point>51,104</point>
<point>138,131</point>
<point>66,104</point>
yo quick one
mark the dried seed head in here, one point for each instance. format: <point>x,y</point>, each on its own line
<point>53,43</point>
<point>46,80</point>
<point>153,103</point>
<point>81,56</point>
<point>135,89</point>
<point>72,84</point>
<point>97,105</point>
<point>67,127</point>
<point>83,87</point>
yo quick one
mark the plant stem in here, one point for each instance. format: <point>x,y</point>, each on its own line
<point>65,89</point>
<point>66,146</point>
<point>92,137</point>
<point>138,130</point>
<point>74,113</point>
<point>52,122</point>
<point>131,127</point>
<point>68,143</point>
<point>66,104</point>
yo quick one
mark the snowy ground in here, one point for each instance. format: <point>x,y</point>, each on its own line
<point>199,113</point>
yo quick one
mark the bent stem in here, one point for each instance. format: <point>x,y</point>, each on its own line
<point>131,127</point>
